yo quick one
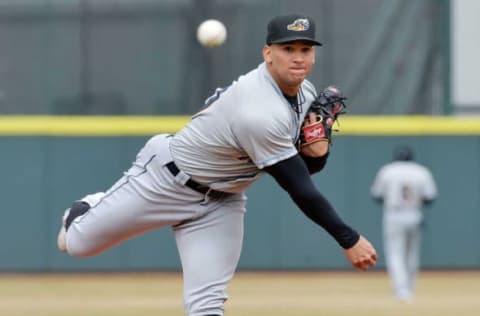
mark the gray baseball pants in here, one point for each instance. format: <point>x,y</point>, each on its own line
<point>208,232</point>
<point>402,236</point>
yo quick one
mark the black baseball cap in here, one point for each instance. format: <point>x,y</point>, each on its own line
<point>292,27</point>
<point>403,153</point>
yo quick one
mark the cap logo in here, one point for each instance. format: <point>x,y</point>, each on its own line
<point>299,25</point>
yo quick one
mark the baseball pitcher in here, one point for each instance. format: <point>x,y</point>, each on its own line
<point>270,120</point>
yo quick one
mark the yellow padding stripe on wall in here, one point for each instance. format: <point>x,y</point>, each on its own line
<point>410,125</point>
<point>90,125</point>
<point>150,125</point>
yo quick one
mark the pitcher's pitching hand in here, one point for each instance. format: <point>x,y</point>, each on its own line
<point>362,255</point>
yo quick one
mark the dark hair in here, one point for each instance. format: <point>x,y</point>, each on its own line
<point>403,153</point>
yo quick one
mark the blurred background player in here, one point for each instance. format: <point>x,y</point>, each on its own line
<point>403,187</point>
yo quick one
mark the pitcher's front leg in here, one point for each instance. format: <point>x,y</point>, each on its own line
<point>209,249</point>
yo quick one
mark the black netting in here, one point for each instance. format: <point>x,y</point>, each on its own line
<point>142,57</point>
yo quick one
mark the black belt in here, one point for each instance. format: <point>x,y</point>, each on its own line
<point>172,167</point>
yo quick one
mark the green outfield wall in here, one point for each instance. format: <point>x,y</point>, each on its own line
<point>46,162</point>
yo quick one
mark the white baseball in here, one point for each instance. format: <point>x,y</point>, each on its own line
<point>211,33</point>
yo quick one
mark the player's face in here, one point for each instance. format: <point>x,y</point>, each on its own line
<point>289,63</point>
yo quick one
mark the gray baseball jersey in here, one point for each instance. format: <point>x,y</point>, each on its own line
<point>403,185</point>
<point>244,128</point>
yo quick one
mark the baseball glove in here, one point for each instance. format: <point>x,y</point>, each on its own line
<point>316,130</point>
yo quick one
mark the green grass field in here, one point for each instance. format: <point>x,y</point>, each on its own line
<point>263,294</point>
